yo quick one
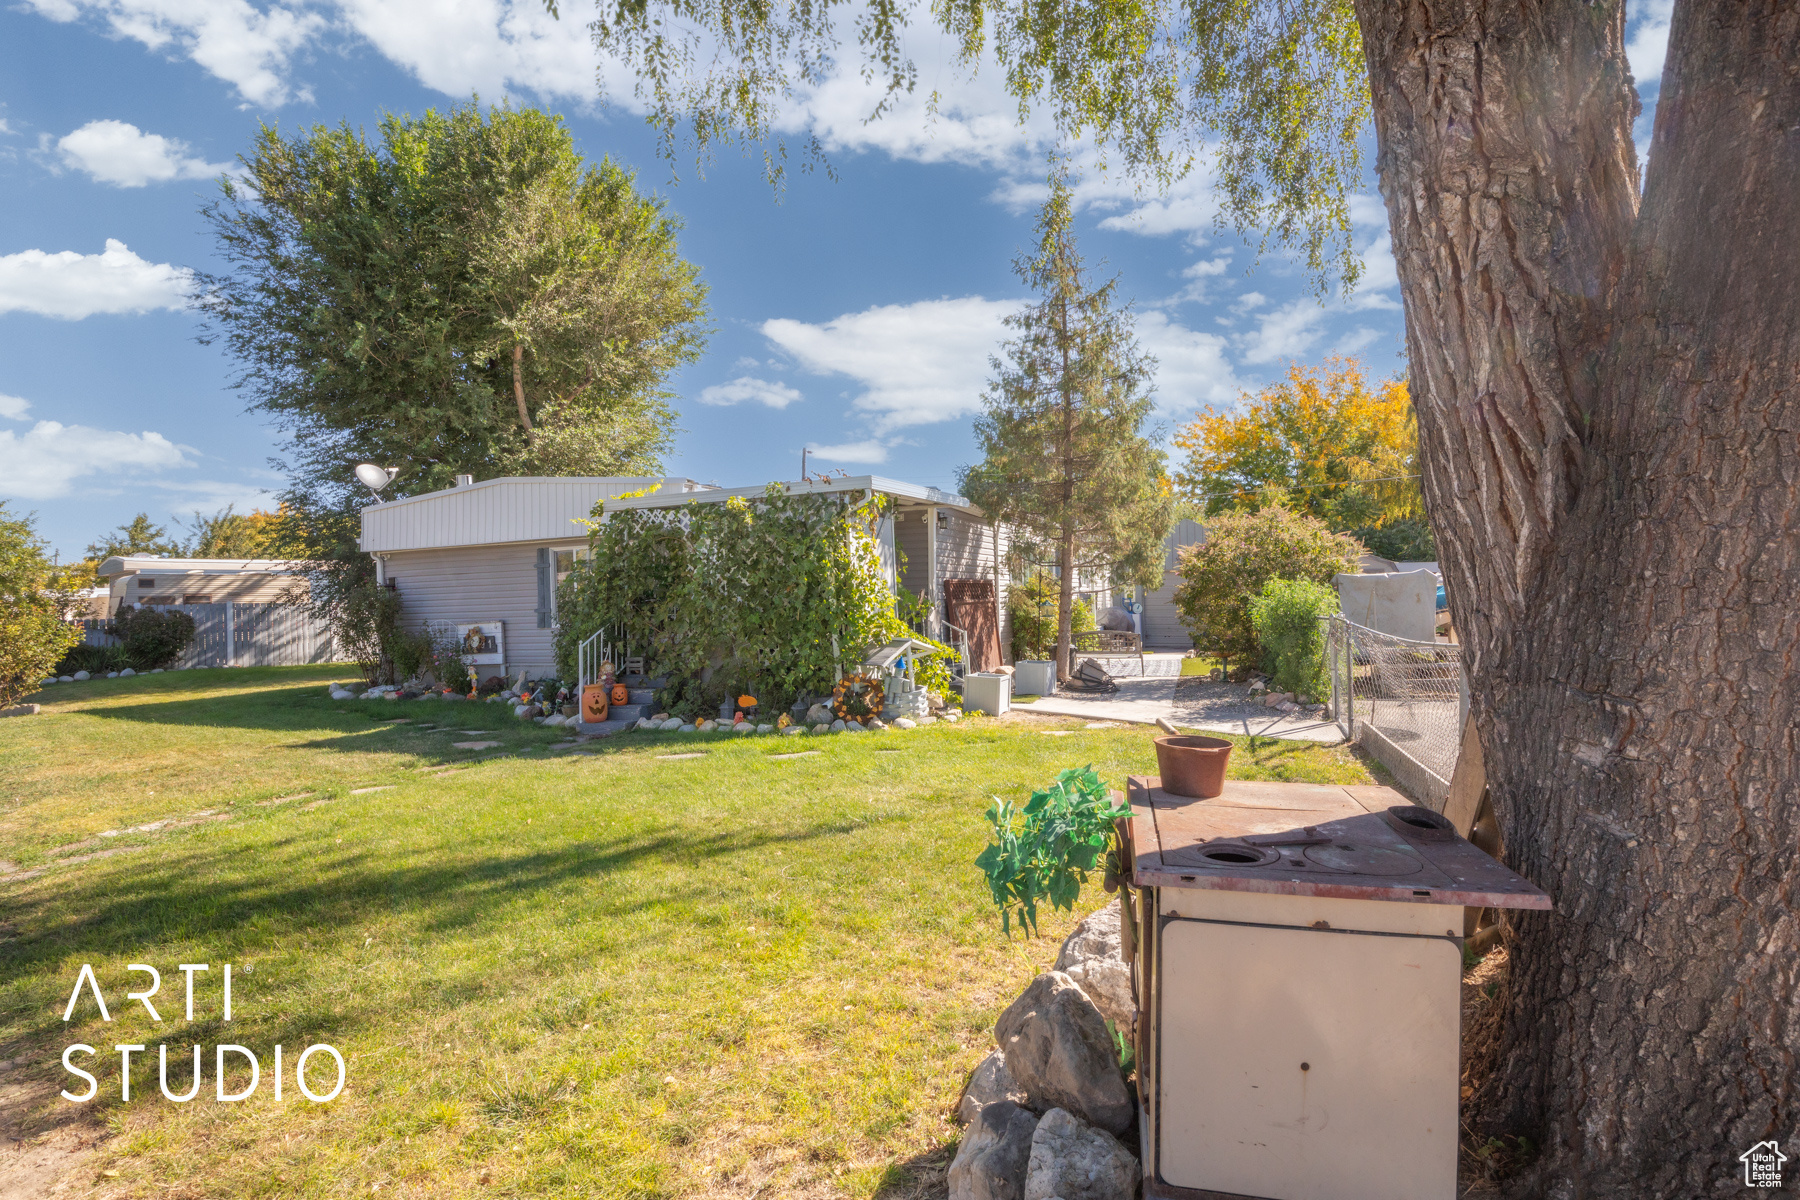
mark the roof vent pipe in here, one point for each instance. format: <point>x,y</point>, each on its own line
<point>465,481</point>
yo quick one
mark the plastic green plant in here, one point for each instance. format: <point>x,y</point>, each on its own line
<point>1045,850</point>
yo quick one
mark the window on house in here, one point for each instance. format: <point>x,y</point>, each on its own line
<point>145,581</point>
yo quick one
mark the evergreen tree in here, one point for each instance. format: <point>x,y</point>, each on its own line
<point>1066,463</point>
<point>140,536</point>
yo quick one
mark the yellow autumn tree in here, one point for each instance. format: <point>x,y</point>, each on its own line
<point>1323,442</point>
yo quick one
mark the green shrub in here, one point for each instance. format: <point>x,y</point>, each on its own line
<point>152,637</point>
<point>1286,616</point>
<point>1082,619</point>
<point>34,629</point>
<point>95,660</point>
<point>1242,551</point>
<point>1045,850</point>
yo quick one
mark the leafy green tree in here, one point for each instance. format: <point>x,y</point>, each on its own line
<point>139,536</point>
<point>463,295</point>
<point>1065,460</point>
<point>1286,616</point>
<point>1222,576</point>
<point>257,534</point>
<point>35,614</point>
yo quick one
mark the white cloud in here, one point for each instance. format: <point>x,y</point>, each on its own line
<point>917,363</point>
<point>13,408</point>
<point>871,451</point>
<point>1192,369</point>
<point>117,153</point>
<point>775,395</point>
<point>1287,332</point>
<point>231,39</point>
<point>47,460</point>
<point>1648,44</point>
<point>73,286</point>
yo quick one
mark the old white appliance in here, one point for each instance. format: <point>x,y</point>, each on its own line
<point>1298,954</point>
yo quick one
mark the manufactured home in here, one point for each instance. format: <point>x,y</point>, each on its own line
<point>1162,627</point>
<point>485,558</point>
<point>147,579</point>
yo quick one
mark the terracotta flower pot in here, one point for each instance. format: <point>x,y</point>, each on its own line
<point>1192,766</point>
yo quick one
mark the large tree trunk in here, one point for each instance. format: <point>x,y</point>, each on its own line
<point>1609,415</point>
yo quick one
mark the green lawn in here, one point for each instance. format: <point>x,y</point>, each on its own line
<point>552,974</point>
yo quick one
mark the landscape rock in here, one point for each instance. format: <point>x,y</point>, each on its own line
<point>20,710</point>
<point>1071,1160</point>
<point>82,675</point>
<point>127,673</point>
<point>819,714</point>
<point>854,727</point>
<point>1257,685</point>
<point>687,728</point>
<point>743,727</point>
<point>995,1155</point>
<point>990,1082</point>
<point>112,674</point>
<point>926,721</point>
<point>65,679</point>
<point>837,726</point>
<point>765,727</point>
<point>905,723</point>
<point>670,725</point>
<point>822,727</point>
<point>951,714</point>
<point>793,730</point>
<point>646,723</point>
<point>1059,1052</point>
<point>1092,955</point>
<point>557,719</point>
<point>157,671</point>
<point>877,723</point>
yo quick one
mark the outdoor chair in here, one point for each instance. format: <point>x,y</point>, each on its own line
<point>1110,643</point>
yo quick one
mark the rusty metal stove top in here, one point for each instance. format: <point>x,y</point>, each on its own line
<point>1306,839</point>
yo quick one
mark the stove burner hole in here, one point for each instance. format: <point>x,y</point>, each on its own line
<point>1233,856</point>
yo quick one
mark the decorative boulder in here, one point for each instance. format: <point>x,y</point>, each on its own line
<point>905,723</point>
<point>82,675</point>
<point>1093,957</point>
<point>793,730</point>
<point>995,1155</point>
<point>557,719</point>
<point>819,714</point>
<point>687,728</point>
<point>822,727</point>
<point>127,673</point>
<point>990,1082</point>
<point>532,712</point>
<point>1060,1053</point>
<point>1071,1160</point>
<point>838,726</point>
<point>671,725</point>
<point>65,679</point>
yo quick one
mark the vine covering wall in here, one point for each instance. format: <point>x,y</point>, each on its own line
<point>761,596</point>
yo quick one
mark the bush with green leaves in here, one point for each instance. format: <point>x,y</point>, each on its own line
<point>95,660</point>
<point>1033,605</point>
<point>1082,619</point>
<point>1286,615</point>
<point>1242,551</point>
<point>152,636</point>
<point>767,596</point>
<point>1046,849</point>
<point>34,610</point>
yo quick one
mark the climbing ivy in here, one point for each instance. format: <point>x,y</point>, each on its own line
<point>765,596</point>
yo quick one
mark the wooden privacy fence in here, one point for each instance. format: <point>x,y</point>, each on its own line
<point>231,634</point>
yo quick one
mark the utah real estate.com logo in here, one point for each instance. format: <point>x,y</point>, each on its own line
<point>1762,1164</point>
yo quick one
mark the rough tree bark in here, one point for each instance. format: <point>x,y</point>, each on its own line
<point>1609,409</point>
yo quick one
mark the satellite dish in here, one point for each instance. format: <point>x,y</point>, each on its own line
<point>375,478</point>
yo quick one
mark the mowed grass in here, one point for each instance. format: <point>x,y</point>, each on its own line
<point>612,974</point>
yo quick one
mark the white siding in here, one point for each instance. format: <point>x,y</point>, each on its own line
<point>463,585</point>
<point>966,550</point>
<point>497,511</point>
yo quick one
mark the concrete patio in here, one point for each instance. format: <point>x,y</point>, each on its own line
<point>1202,705</point>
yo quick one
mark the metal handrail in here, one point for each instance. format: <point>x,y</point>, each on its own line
<point>593,651</point>
<point>961,642</point>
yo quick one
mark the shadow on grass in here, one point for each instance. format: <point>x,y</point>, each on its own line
<point>922,1177</point>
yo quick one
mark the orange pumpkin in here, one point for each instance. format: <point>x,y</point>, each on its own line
<point>620,693</point>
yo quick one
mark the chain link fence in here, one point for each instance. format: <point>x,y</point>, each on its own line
<point>1403,701</point>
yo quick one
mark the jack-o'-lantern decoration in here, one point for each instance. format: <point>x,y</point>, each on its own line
<point>858,697</point>
<point>620,693</point>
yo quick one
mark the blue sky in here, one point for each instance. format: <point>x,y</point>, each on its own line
<point>855,316</point>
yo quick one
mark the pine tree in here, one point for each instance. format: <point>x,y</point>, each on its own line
<point>1066,463</point>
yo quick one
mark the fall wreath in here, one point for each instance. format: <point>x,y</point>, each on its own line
<point>857,697</point>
